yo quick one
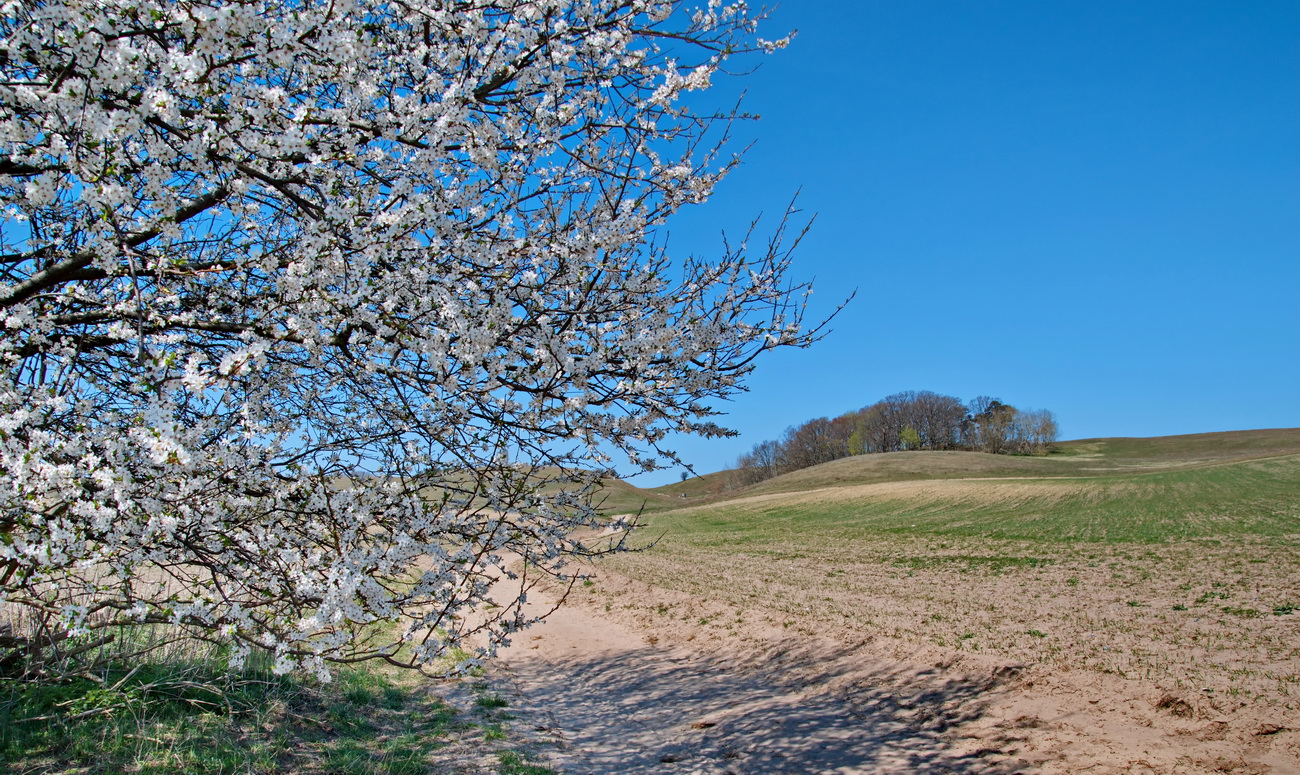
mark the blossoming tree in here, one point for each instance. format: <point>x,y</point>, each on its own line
<point>317,314</point>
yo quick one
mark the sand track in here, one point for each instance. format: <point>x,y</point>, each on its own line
<point>609,702</point>
<point>602,689</point>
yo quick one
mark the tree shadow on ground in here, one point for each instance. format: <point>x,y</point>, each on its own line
<point>788,709</point>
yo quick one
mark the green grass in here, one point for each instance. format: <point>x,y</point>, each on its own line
<point>988,564</point>
<point>491,701</point>
<point>179,717</point>
<point>515,763</point>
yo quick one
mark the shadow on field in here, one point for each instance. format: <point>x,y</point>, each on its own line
<point>784,710</point>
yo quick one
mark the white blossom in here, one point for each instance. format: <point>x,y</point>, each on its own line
<point>316,314</point>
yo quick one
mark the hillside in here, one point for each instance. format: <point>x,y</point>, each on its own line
<point>1118,489</point>
<point>1071,459</point>
<point>1161,570</point>
<point>1251,497</point>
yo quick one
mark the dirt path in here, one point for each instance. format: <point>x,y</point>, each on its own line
<point>609,699</point>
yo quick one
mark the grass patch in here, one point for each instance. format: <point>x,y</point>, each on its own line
<point>195,717</point>
<point>491,701</point>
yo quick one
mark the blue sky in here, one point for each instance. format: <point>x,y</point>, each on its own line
<point>1088,207</point>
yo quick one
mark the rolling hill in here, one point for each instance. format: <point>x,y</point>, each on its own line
<point>1106,458</point>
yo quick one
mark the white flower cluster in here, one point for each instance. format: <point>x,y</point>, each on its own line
<point>317,314</point>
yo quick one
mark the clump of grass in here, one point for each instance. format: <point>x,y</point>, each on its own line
<point>490,701</point>
<point>514,763</point>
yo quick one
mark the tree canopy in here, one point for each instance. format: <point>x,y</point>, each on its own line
<point>911,420</point>
<point>316,314</point>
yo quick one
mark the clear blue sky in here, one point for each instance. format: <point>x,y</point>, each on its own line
<point>1089,207</point>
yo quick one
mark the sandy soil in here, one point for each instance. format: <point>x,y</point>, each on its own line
<point>607,687</point>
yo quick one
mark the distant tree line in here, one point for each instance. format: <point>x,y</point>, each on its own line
<point>904,421</point>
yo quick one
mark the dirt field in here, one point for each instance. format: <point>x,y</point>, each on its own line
<point>635,678</point>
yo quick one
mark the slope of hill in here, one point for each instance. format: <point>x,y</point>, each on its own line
<point>1084,458</point>
<point>1081,458</point>
<point>1119,489</point>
